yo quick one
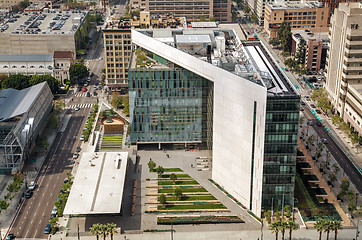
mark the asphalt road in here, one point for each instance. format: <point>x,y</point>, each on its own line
<point>343,161</point>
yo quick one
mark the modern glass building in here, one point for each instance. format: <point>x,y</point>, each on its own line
<point>167,106</point>
<point>236,102</point>
<point>280,146</point>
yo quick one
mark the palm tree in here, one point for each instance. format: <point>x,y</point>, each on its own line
<point>275,228</point>
<point>104,230</point>
<point>319,226</point>
<point>292,226</point>
<point>112,229</point>
<point>95,230</point>
<point>328,227</point>
<point>335,226</point>
<point>283,227</point>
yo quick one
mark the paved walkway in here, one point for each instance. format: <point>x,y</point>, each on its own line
<point>322,183</point>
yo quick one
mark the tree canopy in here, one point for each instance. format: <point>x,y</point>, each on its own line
<point>77,72</point>
<point>53,83</point>
<point>16,81</point>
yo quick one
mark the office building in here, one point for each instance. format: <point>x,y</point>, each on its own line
<point>22,116</point>
<point>316,46</point>
<point>217,93</point>
<point>118,45</point>
<point>344,60</point>
<point>191,10</point>
<point>333,4</point>
<point>300,15</point>
<point>44,33</point>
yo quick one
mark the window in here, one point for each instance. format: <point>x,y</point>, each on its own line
<point>32,67</point>
<point>5,66</point>
<point>41,66</point>
<point>23,66</point>
<point>14,67</point>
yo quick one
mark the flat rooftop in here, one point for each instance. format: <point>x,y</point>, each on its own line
<point>98,184</point>
<point>294,4</point>
<point>249,60</point>
<point>309,35</point>
<point>45,23</point>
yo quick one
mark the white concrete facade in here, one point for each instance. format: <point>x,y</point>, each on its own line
<point>27,64</point>
<point>233,123</point>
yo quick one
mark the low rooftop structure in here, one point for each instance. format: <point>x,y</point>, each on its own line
<point>98,184</point>
<point>294,4</point>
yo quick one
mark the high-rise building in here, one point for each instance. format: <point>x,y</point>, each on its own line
<point>192,10</point>
<point>118,46</point>
<point>344,59</point>
<point>194,90</point>
<point>333,4</point>
<point>300,15</point>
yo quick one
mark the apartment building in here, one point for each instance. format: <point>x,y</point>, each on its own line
<point>222,95</point>
<point>300,15</point>
<point>316,46</point>
<point>118,45</point>
<point>344,62</point>
<point>191,10</point>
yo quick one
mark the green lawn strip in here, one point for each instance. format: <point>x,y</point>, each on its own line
<point>107,144</point>
<point>190,182</point>
<point>184,190</point>
<point>110,147</point>
<point>199,219</point>
<point>112,140</point>
<point>191,198</point>
<point>170,170</point>
<point>177,175</point>
<point>193,206</point>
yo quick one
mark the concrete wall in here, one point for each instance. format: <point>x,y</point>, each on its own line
<point>234,99</point>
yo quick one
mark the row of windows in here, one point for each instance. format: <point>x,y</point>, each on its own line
<point>300,18</point>
<point>26,67</point>
<point>118,36</point>
<point>281,138</point>
<point>282,117</point>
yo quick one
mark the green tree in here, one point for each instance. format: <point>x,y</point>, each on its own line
<point>332,177</point>
<point>16,81</point>
<point>151,165</point>
<point>267,215</point>
<point>178,193</point>
<point>162,199</point>
<point>53,83</point>
<point>246,9</point>
<point>78,72</point>
<point>254,18</point>
<point>96,230</point>
<point>283,227</point>
<point>4,205</point>
<point>116,100</point>
<point>274,41</point>
<point>275,227</point>
<point>125,102</point>
<point>336,226</point>
<point>105,231</point>
<point>327,227</point>
<point>159,170</point>
<point>319,225</point>
<point>292,226</point>
<point>173,177</point>
<point>290,63</point>
<point>344,187</point>
<point>112,229</point>
<point>300,54</point>
<point>287,211</point>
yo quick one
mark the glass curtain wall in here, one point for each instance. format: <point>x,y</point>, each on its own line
<point>280,151</point>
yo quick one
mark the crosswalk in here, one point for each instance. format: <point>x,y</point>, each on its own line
<point>85,105</point>
<point>82,94</point>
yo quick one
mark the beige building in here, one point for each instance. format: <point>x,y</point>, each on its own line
<point>62,62</point>
<point>8,4</point>
<point>192,10</point>
<point>300,15</point>
<point>118,45</point>
<point>344,60</point>
<point>64,35</point>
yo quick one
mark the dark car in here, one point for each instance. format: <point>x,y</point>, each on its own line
<point>88,94</point>
<point>10,236</point>
<point>319,123</point>
<point>302,103</point>
<point>312,106</point>
<point>318,111</point>
<point>47,229</point>
<point>77,149</point>
<point>95,94</point>
<point>91,74</point>
<point>301,109</point>
<point>79,89</point>
<point>28,194</point>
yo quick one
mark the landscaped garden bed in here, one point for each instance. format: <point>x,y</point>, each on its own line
<point>186,182</point>
<point>192,206</point>
<point>112,141</point>
<point>190,198</point>
<point>184,190</point>
<point>170,170</point>
<point>198,220</point>
<point>177,175</point>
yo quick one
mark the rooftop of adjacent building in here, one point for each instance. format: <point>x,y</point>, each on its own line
<point>281,4</point>
<point>307,34</point>
<point>351,8</point>
<point>222,48</point>
<point>144,21</point>
<point>55,22</point>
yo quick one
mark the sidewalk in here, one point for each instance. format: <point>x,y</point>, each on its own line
<point>322,183</point>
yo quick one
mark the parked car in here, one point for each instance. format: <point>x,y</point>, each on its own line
<point>77,149</point>
<point>10,236</point>
<point>28,194</point>
<point>75,155</point>
<point>312,106</point>
<point>66,180</point>
<point>54,210</point>
<point>82,138</point>
<point>324,140</point>
<point>302,103</point>
<point>100,87</point>
<point>310,123</point>
<point>32,186</point>
<point>91,74</point>
<point>318,111</point>
<point>47,229</point>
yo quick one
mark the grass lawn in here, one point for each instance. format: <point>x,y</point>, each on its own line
<point>177,175</point>
<point>193,206</point>
<point>191,198</point>
<point>170,170</point>
<point>184,190</point>
<point>111,141</point>
<point>187,182</point>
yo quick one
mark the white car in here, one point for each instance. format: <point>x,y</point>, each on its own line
<point>54,210</point>
<point>76,109</point>
<point>32,186</point>
<point>82,138</point>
